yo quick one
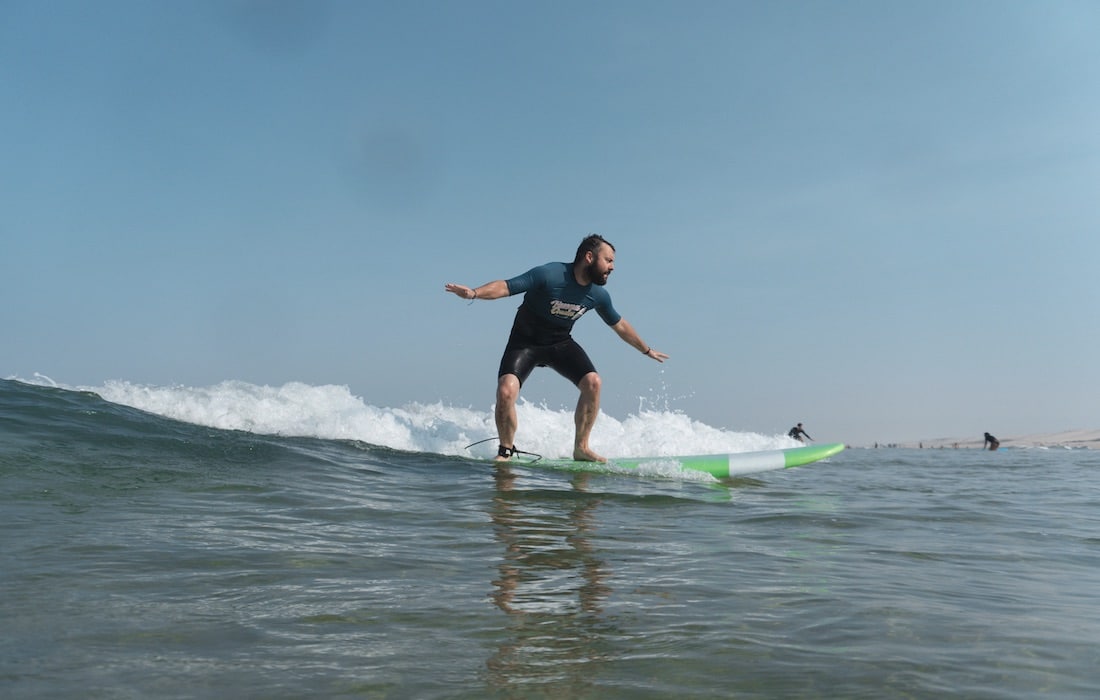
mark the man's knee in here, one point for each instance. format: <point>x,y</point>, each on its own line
<point>590,384</point>
<point>507,388</point>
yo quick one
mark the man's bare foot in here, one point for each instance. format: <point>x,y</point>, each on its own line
<point>583,454</point>
<point>504,453</point>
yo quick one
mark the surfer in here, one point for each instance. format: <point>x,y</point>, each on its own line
<point>555,296</point>
<point>797,432</point>
<point>991,441</point>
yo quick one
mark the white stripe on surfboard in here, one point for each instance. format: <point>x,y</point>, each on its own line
<point>748,462</point>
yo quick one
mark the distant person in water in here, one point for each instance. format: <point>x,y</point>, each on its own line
<point>555,295</point>
<point>797,432</point>
<point>991,441</point>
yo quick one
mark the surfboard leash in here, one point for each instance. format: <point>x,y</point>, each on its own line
<point>510,451</point>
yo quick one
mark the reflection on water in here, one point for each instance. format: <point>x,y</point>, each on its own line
<point>552,585</point>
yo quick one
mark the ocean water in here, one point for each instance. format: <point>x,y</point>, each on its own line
<point>297,542</point>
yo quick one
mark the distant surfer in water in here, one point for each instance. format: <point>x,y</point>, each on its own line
<point>991,441</point>
<point>797,432</point>
<point>555,296</point>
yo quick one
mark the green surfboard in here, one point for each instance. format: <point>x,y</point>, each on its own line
<point>721,466</point>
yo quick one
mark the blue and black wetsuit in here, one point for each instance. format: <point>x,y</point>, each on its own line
<point>552,303</point>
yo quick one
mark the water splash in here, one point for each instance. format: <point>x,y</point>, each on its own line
<point>334,412</point>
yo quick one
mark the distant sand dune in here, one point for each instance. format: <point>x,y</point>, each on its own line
<point>1068,438</point>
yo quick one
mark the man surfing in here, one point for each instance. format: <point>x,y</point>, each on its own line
<point>992,442</point>
<point>555,296</point>
<point>797,433</point>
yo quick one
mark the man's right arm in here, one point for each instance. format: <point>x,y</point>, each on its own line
<point>497,289</point>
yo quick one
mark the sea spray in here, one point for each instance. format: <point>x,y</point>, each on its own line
<point>334,412</point>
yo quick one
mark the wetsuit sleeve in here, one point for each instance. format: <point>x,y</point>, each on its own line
<point>606,311</point>
<point>527,281</point>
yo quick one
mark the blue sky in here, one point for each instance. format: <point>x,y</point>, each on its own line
<point>877,218</point>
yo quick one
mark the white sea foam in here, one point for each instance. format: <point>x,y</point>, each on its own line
<point>334,412</point>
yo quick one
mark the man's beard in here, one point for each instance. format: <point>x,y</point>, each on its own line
<point>595,275</point>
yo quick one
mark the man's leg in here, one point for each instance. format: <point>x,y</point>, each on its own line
<point>588,408</point>
<point>507,393</point>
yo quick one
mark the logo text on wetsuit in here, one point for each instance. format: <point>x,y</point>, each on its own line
<point>561,309</point>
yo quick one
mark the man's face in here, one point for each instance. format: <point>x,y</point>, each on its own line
<point>603,262</point>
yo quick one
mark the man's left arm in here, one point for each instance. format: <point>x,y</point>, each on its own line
<point>631,337</point>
